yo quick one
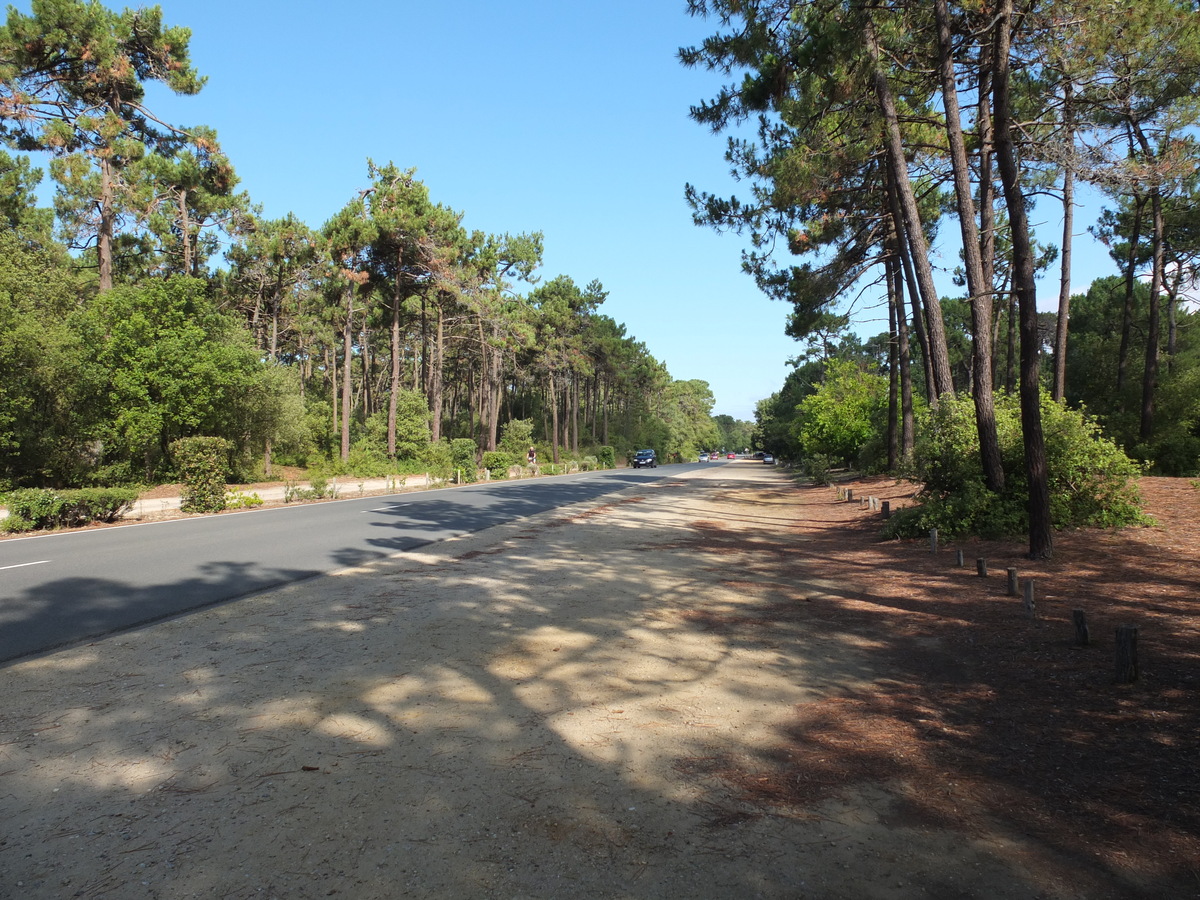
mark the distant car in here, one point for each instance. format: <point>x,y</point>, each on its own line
<point>768,459</point>
<point>714,456</point>
<point>731,456</point>
<point>645,459</point>
<point>703,457</point>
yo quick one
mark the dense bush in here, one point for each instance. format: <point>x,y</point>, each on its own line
<point>37,508</point>
<point>1091,479</point>
<point>203,466</point>
<point>607,457</point>
<point>462,455</point>
<point>497,462</point>
<point>845,415</point>
<point>516,437</point>
<point>816,467</point>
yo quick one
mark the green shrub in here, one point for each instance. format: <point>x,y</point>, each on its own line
<point>203,465</point>
<point>242,500</point>
<point>497,462</point>
<point>96,504</point>
<point>462,455</point>
<point>11,524</point>
<point>1092,482</point>
<point>817,466</point>
<point>437,460</point>
<point>40,507</point>
<point>516,437</point>
<point>607,457</point>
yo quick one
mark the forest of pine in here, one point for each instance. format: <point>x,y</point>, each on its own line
<point>865,133</point>
<point>155,303</point>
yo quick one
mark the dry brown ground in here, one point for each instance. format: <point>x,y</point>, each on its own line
<point>986,706</point>
<point>714,685</point>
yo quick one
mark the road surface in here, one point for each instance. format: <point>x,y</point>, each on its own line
<point>61,588</point>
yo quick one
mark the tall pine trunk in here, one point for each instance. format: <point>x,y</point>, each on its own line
<point>1041,533</point>
<point>1064,281</point>
<point>919,251</point>
<point>980,291</point>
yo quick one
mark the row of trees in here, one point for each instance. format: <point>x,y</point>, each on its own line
<point>369,342</point>
<point>875,120</point>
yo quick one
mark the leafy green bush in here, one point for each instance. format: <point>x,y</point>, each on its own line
<point>37,508</point>
<point>11,524</point>
<point>516,437</point>
<point>497,462</point>
<point>817,466</point>
<point>203,464</point>
<point>1092,482</point>
<point>607,457</point>
<point>96,504</point>
<point>844,414</point>
<point>242,500</point>
<point>462,455</point>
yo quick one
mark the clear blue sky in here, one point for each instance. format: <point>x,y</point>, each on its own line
<point>565,117</point>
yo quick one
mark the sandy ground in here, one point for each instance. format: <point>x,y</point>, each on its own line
<point>525,712</point>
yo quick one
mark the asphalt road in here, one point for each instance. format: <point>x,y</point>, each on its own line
<point>61,588</point>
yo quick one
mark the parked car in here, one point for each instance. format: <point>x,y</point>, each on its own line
<point>731,456</point>
<point>645,459</point>
<point>768,459</point>
<point>703,457</point>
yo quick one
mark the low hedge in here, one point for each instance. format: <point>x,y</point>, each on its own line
<point>34,509</point>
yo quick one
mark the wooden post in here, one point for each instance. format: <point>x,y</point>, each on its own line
<point>887,509</point>
<point>1127,661</point>
<point>981,567</point>
<point>933,540</point>
<point>1030,606</point>
<point>849,495</point>
<point>841,493</point>
<point>958,558</point>
<point>1082,638</point>
<point>1012,581</point>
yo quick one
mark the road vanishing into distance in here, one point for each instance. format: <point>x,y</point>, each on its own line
<point>57,589</point>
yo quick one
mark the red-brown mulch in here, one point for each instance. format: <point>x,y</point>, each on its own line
<point>987,717</point>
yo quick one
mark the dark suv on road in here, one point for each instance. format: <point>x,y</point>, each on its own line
<point>645,459</point>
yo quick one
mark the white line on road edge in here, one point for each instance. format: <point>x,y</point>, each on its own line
<point>22,565</point>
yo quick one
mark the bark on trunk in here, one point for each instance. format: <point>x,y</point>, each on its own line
<point>347,379</point>
<point>979,290</point>
<point>1041,534</point>
<point>898,166</point>
<point>1064,281</point>
<point>104,234</point>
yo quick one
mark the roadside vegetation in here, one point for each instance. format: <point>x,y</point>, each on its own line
<point>883,136</point>
<point>154,306</point>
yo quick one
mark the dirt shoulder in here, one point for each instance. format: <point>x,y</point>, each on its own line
<point>716,685</point>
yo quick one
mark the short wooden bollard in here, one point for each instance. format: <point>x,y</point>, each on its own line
<point>981,567</point>
<point>1127,661</point>
<point>958,558</point>
<point>849,495</point>
<point>1012,581</point>
<point>887,509</point>
<point>933,540</point>
<point>1082,638</point>
<point>841,493</point>
<point>1030,606</point>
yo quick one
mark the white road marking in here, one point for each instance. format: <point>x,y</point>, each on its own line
<point>21,565</point>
